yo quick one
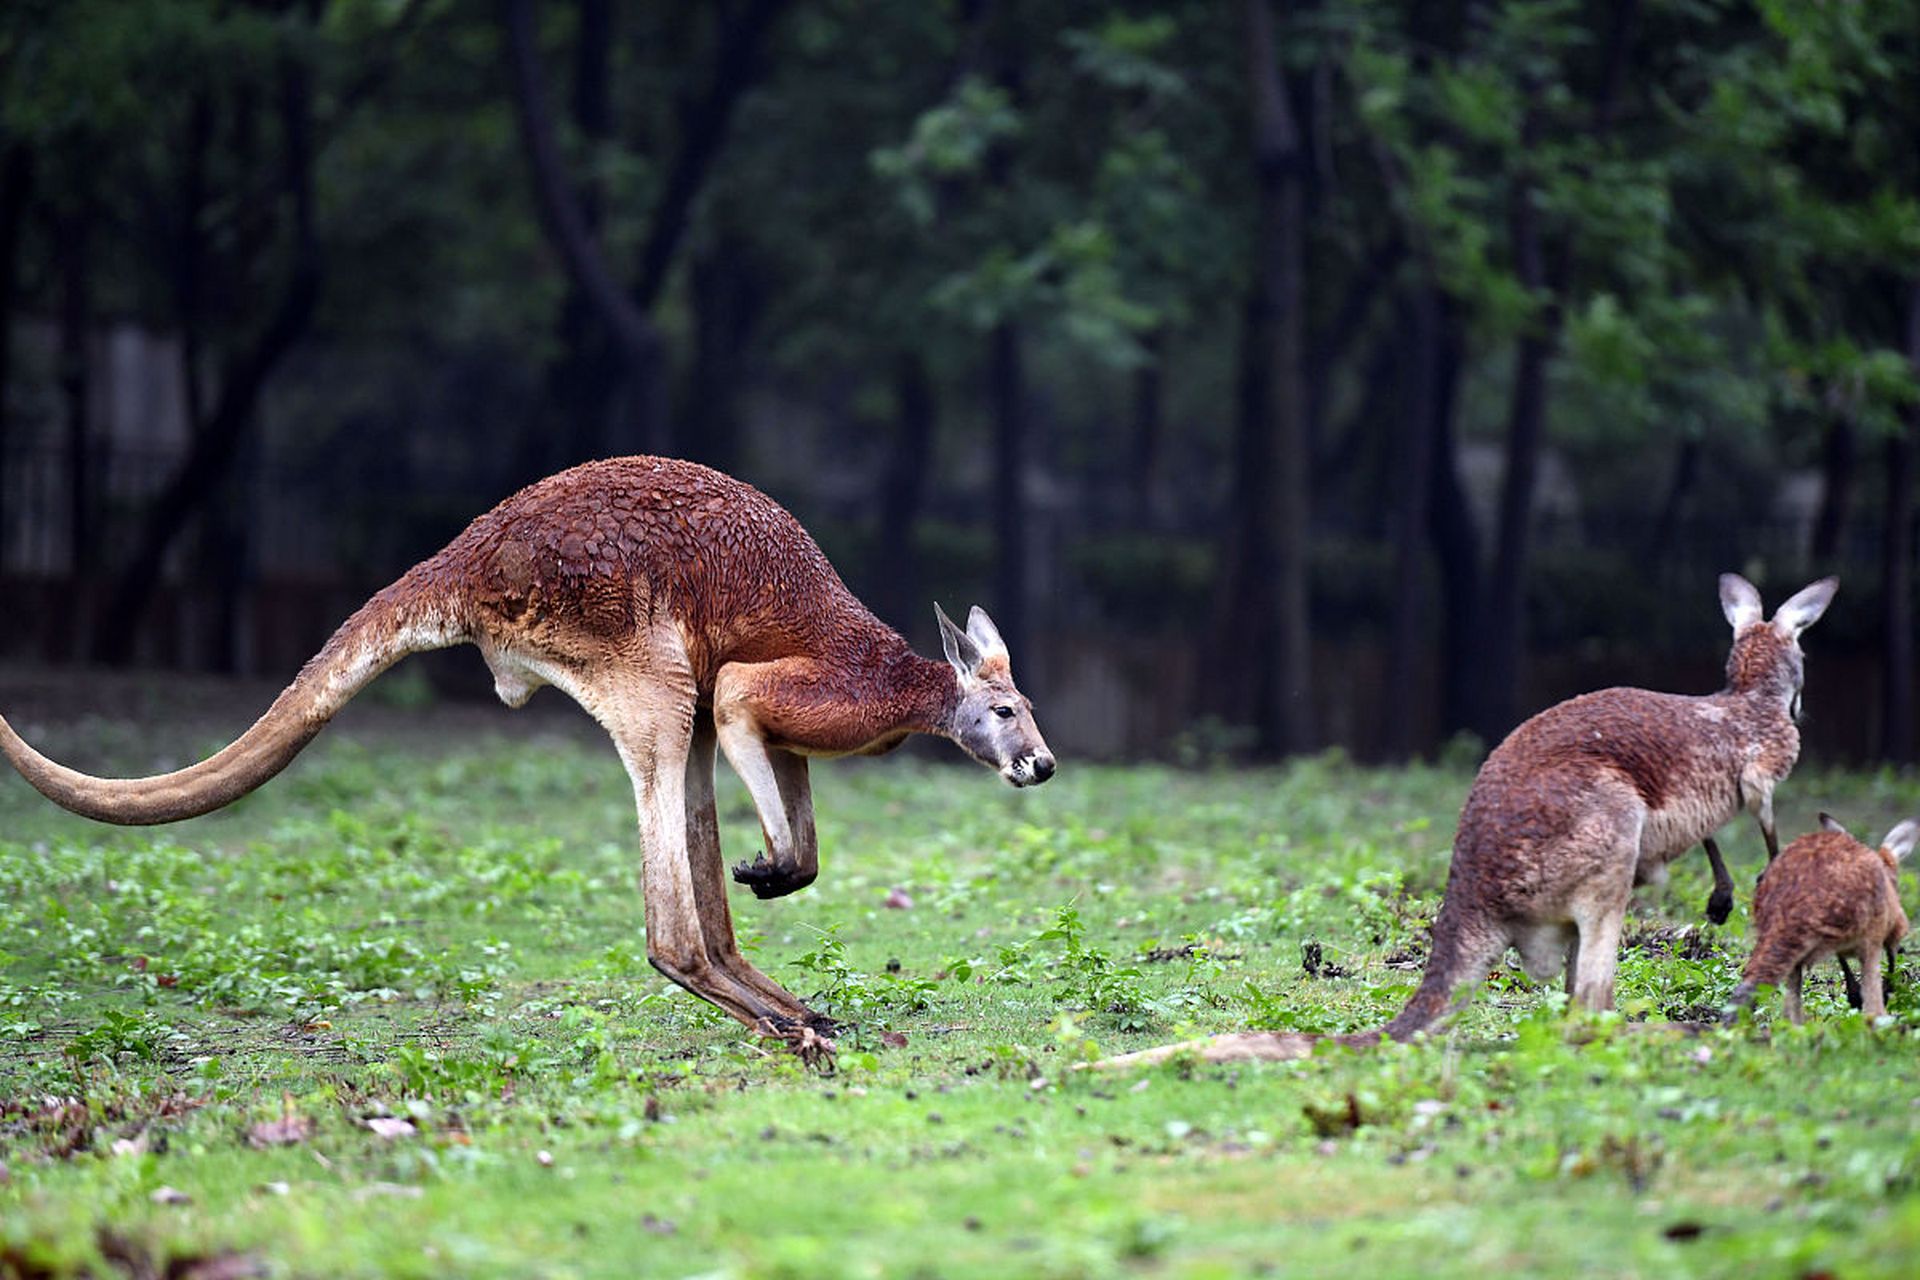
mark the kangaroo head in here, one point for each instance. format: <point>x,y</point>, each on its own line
<point>1766,657</point>
<point>993,720</point>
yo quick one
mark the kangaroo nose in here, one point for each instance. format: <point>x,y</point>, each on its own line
<point>1042,768</point>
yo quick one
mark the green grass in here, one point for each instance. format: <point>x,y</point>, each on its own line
<point>449,934</point>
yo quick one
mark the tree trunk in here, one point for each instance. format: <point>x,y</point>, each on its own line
<point>1666,524</point>
<point>1280,162</point>
<point>211,454</point>
<point>1838,456</point>
<point>1496,704</point>
<point>16,187</point>
<point>1896,588</point>
<point>72,253</point>
<point>1412,466</point>
<point>1456,542</point>
<point>1007,395</point>
<point>582,381</point>
<point>903,492</point>
<point>1149,425</point>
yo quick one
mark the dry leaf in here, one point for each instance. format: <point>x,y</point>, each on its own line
<point>894,1039</point>
<point>290,1128</point>
<point>170,1195</point>
<point>898,900</point>
<point>391,1127</point>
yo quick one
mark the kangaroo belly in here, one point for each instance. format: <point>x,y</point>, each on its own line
<point>1678,826</point>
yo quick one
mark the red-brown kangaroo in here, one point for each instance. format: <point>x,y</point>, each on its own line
<point>683,609</point>
<point>1581,803</point>
<point>1827,895</point>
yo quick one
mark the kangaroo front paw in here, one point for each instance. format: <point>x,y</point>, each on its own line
<point>772,879</point>
<point>1720,906</point>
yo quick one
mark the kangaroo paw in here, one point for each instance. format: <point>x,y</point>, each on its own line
<point>771,879</point>
<point>1720,905</point>
<point>812,1048</point>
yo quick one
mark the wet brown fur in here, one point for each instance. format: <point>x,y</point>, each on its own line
<point>1826,895</point>
<point>689,613</point>
<point>1595,795</point>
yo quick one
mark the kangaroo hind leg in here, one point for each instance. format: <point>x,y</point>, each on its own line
<point>708,869</point>
<point>651,723</point>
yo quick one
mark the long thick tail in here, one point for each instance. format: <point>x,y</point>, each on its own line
<point>411,616</point>
<point>1457,960</point>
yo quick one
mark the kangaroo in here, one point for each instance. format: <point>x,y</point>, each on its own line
<point>1595,795</point>
<point>1827,895</point>
<point>1581,803</point>
<point>683,609</point>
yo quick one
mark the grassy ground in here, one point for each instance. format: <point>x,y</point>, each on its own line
<point>392,1015</point>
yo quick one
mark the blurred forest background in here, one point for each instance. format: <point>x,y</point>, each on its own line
<point>1357,373</point>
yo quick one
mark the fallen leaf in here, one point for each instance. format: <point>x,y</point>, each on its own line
<point>391,1127</point>
<point>658,1226</point>
<point>894,1039</point>
<point>280,1133</point>
<point>898,900</point>
<point>1684,1230</point>
<point>170,1195</point>
<point>290,1128</point>
<point>545,1158</point>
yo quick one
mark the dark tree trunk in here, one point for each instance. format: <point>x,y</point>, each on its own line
<point>1456,543</point>
<point>215,442</point>
<point>1149,426</point>
<point>1496,703</point>
<point>72,252</point>
<point>1837,465</point>
<point>583,379</point>
<point>1280,165</point>
<point>1412,483</point>
<point>726,300</point>
<point>1240,680</point>
<point>903,491</point>
<point>1503,628</point>
<point>1006,377</point>
<point>1666,523</point>
<point>704,121</point>
<point>1896,588</point>
<point>16,187</point>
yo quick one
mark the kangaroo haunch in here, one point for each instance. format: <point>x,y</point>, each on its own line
<point>683,609</point>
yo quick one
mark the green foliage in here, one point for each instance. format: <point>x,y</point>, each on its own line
<point>578,1089</point>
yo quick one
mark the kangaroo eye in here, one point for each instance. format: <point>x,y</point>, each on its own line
<point>1005,713</point>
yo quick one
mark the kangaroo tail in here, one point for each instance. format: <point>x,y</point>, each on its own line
<point>1455,961</point>
<point>411,616</point>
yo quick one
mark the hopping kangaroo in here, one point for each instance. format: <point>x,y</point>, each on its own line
<point>1827,895</point>
<point>682,609</point>
<point>1596,795</point>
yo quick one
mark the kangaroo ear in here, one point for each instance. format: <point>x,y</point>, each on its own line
<point>1805,608</point>
<point>983,633</point>
<point>1899,841</point>
<point>1739,601</point>
<point>1830,823</point>
<point>961,651</point>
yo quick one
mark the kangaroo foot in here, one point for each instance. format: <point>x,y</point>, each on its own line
<point>1720,905</point>
<point>770,879</point>
<point>812,1048</point>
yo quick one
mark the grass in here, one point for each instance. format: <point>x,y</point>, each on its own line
<point>205,1031</point>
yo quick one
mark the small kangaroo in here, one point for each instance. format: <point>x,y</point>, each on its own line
<point>1595,795</point>
<point>683,609</point>
<point>1827,895</point>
